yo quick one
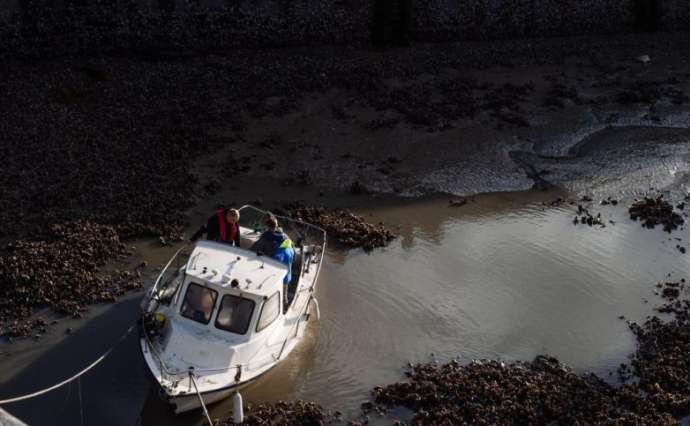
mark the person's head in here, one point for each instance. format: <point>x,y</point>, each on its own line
<point>232,215</point>
<point>206,302</point>
<point>271,222</point>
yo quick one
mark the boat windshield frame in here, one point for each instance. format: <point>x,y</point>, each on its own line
<point>249,321</point>
<point>220,292</point>
<point>202,287</point>
<point>258,328</point>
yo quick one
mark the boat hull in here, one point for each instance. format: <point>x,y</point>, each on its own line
<point>190,401</point>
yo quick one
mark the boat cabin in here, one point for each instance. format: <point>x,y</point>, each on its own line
<point>219,314</point>
<point>231,291</point>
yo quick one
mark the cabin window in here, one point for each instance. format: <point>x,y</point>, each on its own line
<point>198,303</point>
<point>234,314</point>
<point>269,311</point>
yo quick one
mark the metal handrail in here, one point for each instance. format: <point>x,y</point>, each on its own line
<point>306,307</point>
<point>160,276</point>
<point>309,225</point>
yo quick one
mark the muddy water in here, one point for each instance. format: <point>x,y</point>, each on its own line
<point>504,277</point>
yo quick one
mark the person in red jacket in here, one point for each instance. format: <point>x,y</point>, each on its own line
<point>222,226</point>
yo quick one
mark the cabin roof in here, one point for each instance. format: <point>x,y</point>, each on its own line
<point>223,263</point>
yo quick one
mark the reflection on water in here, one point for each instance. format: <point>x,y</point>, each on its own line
<point>501,277</point>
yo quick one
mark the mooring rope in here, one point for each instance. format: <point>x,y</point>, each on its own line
<point>201,400</point>
<point>70,379</point>
<point>81,404</point>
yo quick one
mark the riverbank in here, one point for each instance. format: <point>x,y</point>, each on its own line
<point>133,143</point>
<point>145,147</point>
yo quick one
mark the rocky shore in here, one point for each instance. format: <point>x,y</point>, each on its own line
<point>285,413</point>
<point>61,272</point>
<point>491,392</point>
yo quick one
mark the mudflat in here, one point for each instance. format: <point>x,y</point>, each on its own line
<point>112,149</point>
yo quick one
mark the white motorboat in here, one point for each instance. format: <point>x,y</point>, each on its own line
<point>217,317</point>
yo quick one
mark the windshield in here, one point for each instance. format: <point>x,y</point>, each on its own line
<point>235,314</point>
<point>198,303</point>
<point>269,311</point>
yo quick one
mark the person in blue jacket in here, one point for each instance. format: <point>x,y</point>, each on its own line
<point>276,244</point>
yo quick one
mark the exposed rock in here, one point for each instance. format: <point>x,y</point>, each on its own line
<point>62,273</point>
<point>284,414</point>
<point>656,211</point>
<point>537,392</point>
<point>347,229</point>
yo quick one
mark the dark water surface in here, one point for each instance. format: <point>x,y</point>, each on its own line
<point>503,277</point>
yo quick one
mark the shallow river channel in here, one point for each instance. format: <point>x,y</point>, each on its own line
<point>505,276</point>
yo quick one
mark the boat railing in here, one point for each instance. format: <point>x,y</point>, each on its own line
<point>301,315</point>
<point>253,218</point>
<point>171,269</point>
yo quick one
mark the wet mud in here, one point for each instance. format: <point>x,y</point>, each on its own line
<point>327,118</point>
<point>616,161</point>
